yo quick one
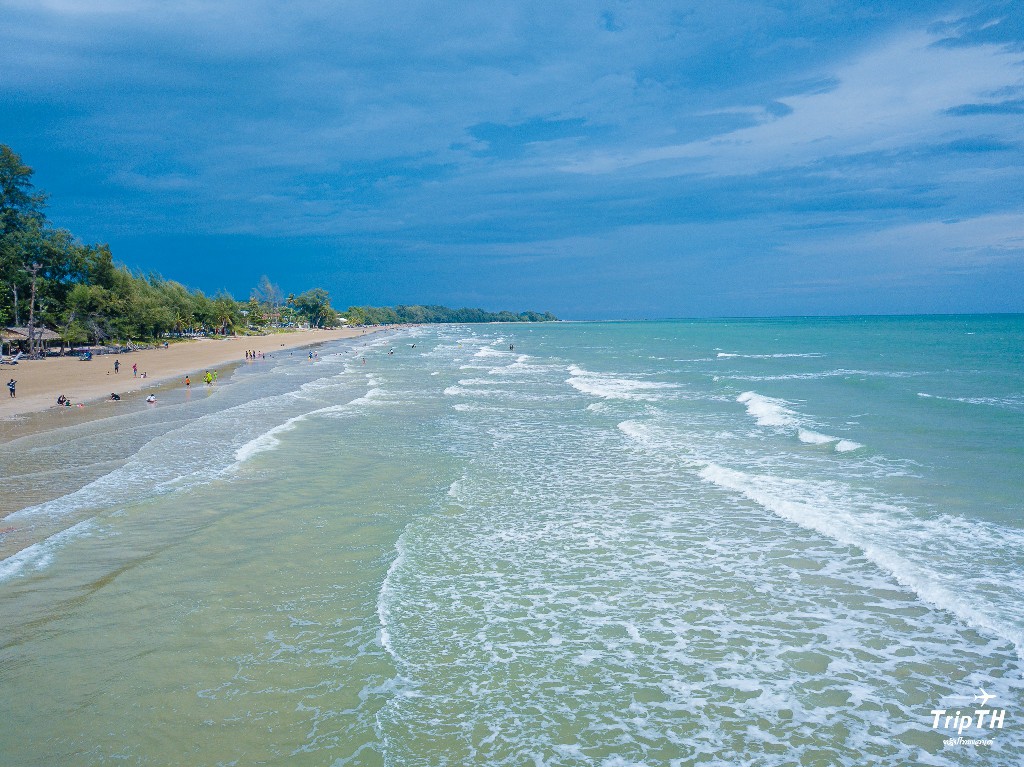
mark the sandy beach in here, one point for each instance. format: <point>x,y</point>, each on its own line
<point>41,382</point>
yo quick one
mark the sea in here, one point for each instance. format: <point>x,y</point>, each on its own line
<point>765,542</point>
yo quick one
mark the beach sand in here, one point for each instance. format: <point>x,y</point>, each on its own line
<point>41,382</point>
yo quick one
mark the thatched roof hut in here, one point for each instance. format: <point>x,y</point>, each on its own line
<point>19,335</point>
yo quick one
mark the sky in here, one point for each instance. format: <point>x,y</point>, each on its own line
<point>616,159</point>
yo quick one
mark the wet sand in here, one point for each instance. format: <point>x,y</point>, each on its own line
<point>41,382</point>
<point>26,421</point>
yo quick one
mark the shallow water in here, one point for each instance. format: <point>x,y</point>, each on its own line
<point>766,542</point>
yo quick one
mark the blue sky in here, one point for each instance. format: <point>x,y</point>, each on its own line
<point>595,159</point>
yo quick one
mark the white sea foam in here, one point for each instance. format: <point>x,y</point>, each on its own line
<point>822,374</point>
<point>777,413</point>
<point>489,351</point>
<point>768,411</point>
<point>814,438</point>
<point>847,445</point>
<point>39,555</point>
<point>490,382</point>
<point>831,510</point>
<point>728,355</point>
<point>1010,402</point>
<point>466,407</point>
<point>268,440</point>
<point>616,387</point>
<point>384,597</point>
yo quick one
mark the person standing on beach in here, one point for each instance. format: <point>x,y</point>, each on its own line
<point>117,366</point>
<point>10,385</point>
<point>188,382</point>
<point>135,369</point>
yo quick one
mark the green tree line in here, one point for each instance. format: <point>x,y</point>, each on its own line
<point>387,315</point>
<point>50,279</point>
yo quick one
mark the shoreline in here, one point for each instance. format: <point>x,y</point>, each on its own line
<point>28,417</point>
<point>41,382</point>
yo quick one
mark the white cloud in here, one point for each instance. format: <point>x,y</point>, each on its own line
<point>890,98</point>
<point>921,249</point>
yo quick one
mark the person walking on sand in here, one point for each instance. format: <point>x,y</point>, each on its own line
<point>135,369</point>
<point>117,365</point>
<point>10,385</point>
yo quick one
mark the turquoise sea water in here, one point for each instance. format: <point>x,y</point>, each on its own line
<point>777,542</point>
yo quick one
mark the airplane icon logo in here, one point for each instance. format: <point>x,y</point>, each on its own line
<point>984,697</point>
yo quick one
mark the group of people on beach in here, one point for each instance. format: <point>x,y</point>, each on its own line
<point>135,369</point>
<point>253,355</point>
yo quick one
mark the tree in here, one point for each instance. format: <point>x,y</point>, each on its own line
<point>315,306</point>
<point>254,314</point>
<point>270,296</point>
<point>88,308</point>
<point>56,281</point>
<point>21,221</point>
<point>225,312</point>
<point>18,201</point>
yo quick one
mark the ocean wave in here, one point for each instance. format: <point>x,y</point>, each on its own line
<point>839,444</point>
<point>1012,402</point>
<point>777,413</point>
<point>814,438</point>
<point>768,411</point>
<point>730,355</point>
<point>838,373</point>
<point>490,351</point>
<point>39,555</point>
<point>832,510</point>
<point>847,445</point>
<point>614,387</point>
<point>268,440</point>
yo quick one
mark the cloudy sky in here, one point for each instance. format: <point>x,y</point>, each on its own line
<point>620,158</point>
